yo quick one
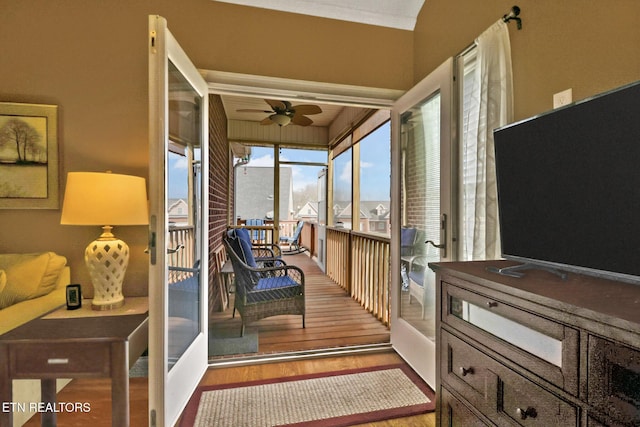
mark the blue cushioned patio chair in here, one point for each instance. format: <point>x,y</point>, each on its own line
<point>408,238</point>
<point>294,241</point>
<point>184,291</point>
<point>261,251</point>
<point>263,291</point>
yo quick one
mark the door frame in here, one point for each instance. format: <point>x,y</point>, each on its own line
<point>170,390</point>
<point>412,345</point>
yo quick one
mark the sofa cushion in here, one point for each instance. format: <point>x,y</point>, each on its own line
<point>29,275</point>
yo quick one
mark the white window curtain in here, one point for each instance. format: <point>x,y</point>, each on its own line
<point>487,104</point>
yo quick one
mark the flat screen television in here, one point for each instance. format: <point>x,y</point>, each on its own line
<point>569,187</point>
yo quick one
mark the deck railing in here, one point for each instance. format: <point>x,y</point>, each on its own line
<point>181,250</point>
<point>360,263</point>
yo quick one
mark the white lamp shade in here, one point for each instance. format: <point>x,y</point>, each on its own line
<point>95,198</point>
<point>280,119</point>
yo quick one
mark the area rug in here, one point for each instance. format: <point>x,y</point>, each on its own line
<point>330,399</point>
<point>224,342</point>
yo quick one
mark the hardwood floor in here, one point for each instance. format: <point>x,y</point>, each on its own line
<point>97,392</point>
<point>333,318</point>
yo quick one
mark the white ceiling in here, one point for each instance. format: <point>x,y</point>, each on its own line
<point>401,14</point>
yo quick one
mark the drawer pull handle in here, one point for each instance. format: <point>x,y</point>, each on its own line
<point>464,371</point>
<point>527,413</point>
<point>58,361</point>
<point>492,304</point>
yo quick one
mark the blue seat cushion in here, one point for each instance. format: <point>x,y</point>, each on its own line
<point>407,236</point>
<point>190,284</point>
<point>417,277</point>
<point>274,283</point>
<point>274,288</point>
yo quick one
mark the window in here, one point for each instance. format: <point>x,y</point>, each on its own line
<point>342,183</point>
<point>362,176</point>
<point>375,179</point>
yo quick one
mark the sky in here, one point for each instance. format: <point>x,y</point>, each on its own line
<point>374,163</point>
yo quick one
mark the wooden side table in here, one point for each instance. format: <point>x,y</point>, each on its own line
<point>75,347</point>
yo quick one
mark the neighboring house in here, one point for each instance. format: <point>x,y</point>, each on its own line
<point>374,215</point>
<point>178,212</point>
<point>309,211</point>
<point>255,194</point>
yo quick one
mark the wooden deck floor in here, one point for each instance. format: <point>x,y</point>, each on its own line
<point>333,319</point>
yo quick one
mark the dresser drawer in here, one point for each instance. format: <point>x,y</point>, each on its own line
<point>453,413</point>
<point>504,396</point>
<point>469,372</point>
<point>43,359</point>
<point>614,380</point>
<point>545,347</point>
<point>524,403</point>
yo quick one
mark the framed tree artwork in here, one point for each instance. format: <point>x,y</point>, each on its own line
<point>29,176</point>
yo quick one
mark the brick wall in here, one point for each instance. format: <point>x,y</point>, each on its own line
<point>219,205</point>
<point>415,180</point>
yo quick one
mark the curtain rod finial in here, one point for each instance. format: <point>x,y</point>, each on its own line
<point>513,14</point>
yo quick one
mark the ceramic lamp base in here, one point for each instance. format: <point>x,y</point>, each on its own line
<point>107,259</point>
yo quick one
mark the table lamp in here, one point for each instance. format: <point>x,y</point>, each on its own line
<point>95,198</point>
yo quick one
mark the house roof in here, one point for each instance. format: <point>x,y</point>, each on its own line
<point>255,193</point>
<point>368,209</point>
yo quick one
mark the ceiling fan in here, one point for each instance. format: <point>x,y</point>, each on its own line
<point>282,113</point>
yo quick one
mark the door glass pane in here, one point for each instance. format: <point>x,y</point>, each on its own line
<point>342,180</point>
<point>420,138</point>
<point>183,205</point>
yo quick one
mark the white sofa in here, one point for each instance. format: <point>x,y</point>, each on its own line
<point>31,285</point>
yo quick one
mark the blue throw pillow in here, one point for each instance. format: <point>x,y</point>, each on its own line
<point>243,234</point>
<point>242,246</point>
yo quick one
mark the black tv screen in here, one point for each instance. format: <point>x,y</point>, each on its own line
<point>569,187</point>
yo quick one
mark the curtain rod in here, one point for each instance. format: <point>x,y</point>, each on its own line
<point>513,15</point>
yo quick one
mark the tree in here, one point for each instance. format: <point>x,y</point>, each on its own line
<point>23,136</point>
<point>307,194</point>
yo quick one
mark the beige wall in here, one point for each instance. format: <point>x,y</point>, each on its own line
<point>589,46</point>
<point>89,57</point>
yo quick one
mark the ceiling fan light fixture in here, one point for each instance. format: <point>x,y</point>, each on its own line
<point>280,119</point>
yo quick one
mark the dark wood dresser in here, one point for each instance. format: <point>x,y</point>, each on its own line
<point>537,350</point>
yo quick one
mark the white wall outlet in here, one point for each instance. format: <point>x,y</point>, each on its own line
<point>562,98</point>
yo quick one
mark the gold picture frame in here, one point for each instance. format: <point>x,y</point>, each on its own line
<point>29,175</point>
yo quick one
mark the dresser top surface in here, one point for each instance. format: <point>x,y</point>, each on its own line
<point>604,300</point>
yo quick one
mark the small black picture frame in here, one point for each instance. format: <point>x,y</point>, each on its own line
<point>74,297</point>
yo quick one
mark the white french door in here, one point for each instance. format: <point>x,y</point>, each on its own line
<point>421,161</point>
<point>178,134</point>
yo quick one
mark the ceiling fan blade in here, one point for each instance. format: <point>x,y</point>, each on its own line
<point>252,110</point>
<point>307,109</point>
<point>301,120</point>
<point>266,121</point>
<point>276,105</point>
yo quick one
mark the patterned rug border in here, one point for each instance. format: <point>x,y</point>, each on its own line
<point>190,412</point>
